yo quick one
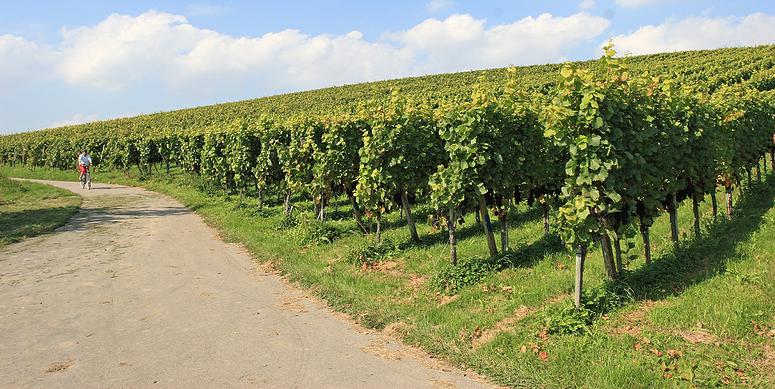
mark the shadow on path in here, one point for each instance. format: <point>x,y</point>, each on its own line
<point>19,225</point>
<point>89,218</point>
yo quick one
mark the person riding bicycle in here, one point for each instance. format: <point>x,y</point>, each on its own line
<point>84,162</point>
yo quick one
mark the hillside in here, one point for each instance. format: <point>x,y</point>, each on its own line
<point>605,223</point>
<point>753,65</point>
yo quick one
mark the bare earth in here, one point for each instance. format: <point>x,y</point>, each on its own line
<point>136,291</point>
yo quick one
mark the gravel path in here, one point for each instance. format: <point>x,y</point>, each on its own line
<point>136,291</point>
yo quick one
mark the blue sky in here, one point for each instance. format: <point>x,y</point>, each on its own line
<point>74,61</point>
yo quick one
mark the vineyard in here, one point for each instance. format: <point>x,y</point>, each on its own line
<point>600,149</point>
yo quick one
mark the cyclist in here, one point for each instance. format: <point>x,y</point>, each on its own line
<point>84,161</point>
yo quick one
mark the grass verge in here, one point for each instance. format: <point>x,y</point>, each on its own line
<point>700,315</point>
<point>28,209</point>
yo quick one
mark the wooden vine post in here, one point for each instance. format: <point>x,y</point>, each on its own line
<point>581,254</point>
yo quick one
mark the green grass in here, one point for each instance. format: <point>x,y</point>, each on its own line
<point>715,291</point>
<point>28,209</point>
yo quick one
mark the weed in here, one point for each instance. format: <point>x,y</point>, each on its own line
<point>318,232</point>
<point>288,222</point>
<point>452,278</point>
<point>595,303</point>
<point>372,254</point>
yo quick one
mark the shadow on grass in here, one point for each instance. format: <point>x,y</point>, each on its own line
<point>530,254</point>
<point>472,229</point>
<point>344,212</point>
<point>19,225</point>
<point>522,256</point>
<point>422,215</point>
<point>468,230</point>
<point>696,260</point>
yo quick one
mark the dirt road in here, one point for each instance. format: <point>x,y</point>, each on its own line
<point>136,291</point>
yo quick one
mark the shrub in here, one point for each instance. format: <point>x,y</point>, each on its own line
<point>372,254</point>
<point>288,222</point>
<point>319,232</point>
<point>565,319</point>
<point>596,302</point>
<point>452,278</point>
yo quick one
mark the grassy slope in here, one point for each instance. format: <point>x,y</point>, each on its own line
<point>28,209</point>
<point>700,314</point>
<point>687,65</point>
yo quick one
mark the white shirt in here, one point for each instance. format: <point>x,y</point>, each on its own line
<point>84,159</point>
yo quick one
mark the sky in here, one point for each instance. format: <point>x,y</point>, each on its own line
<point>69,62</point>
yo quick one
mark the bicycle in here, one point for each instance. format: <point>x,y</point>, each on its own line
<point>85,179</point>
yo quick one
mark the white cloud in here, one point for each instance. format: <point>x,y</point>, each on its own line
<point>699,33</point>
<point>124,49</point>
<point>587,4</point>
<point>439,5</point>
<point>157,60</point>
<point>463,42</point>
<point>165,49</point>
<point>290,60</point>
<point>160,47</point>
<point>21,62</point>
<point>75,119</point>
<point>637,3</point>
